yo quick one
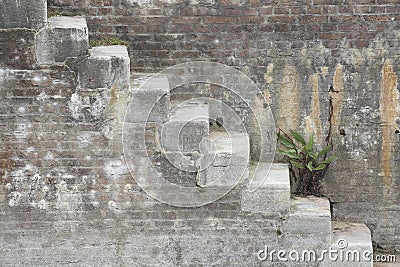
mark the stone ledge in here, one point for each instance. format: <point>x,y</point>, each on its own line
<point>187,126</point>
<point>356,237</point>
<point>225,161</point>
<point>106,67</point>
<point>150,101</point>
<point>62,38</point>
<point>306,212</point>
<point>273,195</point>
<point>308,225</point>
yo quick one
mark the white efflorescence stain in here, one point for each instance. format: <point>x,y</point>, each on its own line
<point>14,198</point>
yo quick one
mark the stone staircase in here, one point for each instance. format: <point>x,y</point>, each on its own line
<point>304,223</point>
<point>187,152</point>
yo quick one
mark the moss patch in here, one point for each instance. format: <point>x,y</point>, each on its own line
<point>107,41</point>
<point>56,13</point>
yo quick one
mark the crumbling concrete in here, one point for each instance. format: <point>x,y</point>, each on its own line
<point>62,38</point>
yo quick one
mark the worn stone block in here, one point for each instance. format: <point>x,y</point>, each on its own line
<point>62,38</point>
<point>353,243</point>
<point>225,160</point>
<point>186,128</point>
<point>305,211</point>
<point>106,67</point>
<point>273,194</point>
<point>308,225</point>
<point>30,14</point>
<point>150,102</point>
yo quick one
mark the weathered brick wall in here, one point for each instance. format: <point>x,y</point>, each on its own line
<point>17,48</point>
<point>239,33</point>
<point>301,53</point>
<point>66,196</point>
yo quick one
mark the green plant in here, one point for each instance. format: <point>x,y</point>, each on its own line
<point>307,166</point>
<point>107,41</point>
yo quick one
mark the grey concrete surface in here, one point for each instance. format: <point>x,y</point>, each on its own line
<point>273,195</point>
<point>62,38</point>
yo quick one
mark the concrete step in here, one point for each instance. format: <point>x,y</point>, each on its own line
<point>353,243</point>
<point>186,128</point>
<point>273,194</point>
<point>224,160</point>
<point>62,38</point>
<point>105,67</point>
<point>150,101</point>
<point>179,138</point>
<point>308,225</point>
<point>103,87</point>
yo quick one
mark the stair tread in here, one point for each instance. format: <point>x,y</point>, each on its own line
<point>150,99</point>
<point>310,206</point>
<point>223,143</point>
<point>109,51</point>
<point>67,22</point>
<point>356,234</point>
<point>186,127</point>
<point>273,193</point>
<point>310,219</point>
<point>223,159</point>
<point>348,239</point>
<point>278,175</point>
<point>63,38</point>
<point>190,111</point>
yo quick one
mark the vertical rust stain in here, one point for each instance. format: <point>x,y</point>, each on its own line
<point>337,96</point>
<point>268,96</point>
<point>268,76</point>
<point>313,122</point>
<point>289,107</point>
<point>388,104</point>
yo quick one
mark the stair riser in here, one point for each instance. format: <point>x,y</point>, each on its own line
<point>64,37</point>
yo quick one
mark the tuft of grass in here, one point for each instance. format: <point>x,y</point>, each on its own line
<point>107,41</point>
<point>57,13</point>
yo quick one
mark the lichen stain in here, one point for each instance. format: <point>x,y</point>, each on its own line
<point>269,74</point>
<point>388,104</point>
<point>268,96</point>
<point>324,71</point>
<point>313,121</point>
<point>357,58</point>
<point>337,97</point>
<point>289,107</point>
<point>113,98</point>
